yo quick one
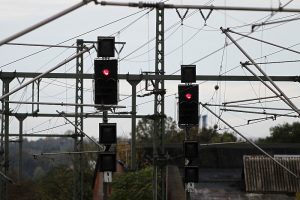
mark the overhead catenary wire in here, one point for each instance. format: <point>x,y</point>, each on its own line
<point>262,113</point>
<point>72,38</point>
<point>43,22</point>
<point>252,143</point>
<point>152,39</point>
<point>275,22</point>
<point>203,7</point>
<point>195,61</point>
<point>281,93</point>
<point>101,147</point>
<point>41,45</point>
<point>43,74</point>
<point>269,101</point>
<point>250,107</point>
<point>247,36</point>
<point>129,25</point>
<point>228,44</point>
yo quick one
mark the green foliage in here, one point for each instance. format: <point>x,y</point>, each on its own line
<point>175,135</point>
<point>144,130</point>
<point>285,133</point>
<point>133,185</point>
<point>57,184</point>
<point>49,177</point>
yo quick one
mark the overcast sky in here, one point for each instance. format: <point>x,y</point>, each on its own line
<point>191,42</point>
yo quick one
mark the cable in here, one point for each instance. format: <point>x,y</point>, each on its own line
<point>143,45</point>
<point>175,49</point>
<point>127,26</point>
<point>37,52</point>
<point>267,101</point>
<point>139,55</point>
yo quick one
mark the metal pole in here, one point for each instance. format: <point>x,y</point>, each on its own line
<point>250,107</point>
<point>221,143</point>
<point>5,128</point>
<point>78,139</point>
<point>41,45</point>
<point>68,152</point>
<point>64,104</point>
<point>249,141</point>
<point>54,17</point>
<point>40,135</point>
<point>21,118</point>
<point>159,182</point>
<point>133,84</point>
<point>290,103</point>
<point>202,7</point>
<point>245,100</point>
<point>47,72</point>
<point>262,113</point>
<point>105,185</point>
<point>186,137</point>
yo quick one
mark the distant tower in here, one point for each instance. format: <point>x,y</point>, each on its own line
<point>204,122</point>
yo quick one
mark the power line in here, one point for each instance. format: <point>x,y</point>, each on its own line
<point>37,52</point>
<point>284,48</point>
<point>40,45</point>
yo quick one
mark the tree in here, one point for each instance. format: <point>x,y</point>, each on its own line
<point>173,134</point>
<point>284,133</point>
<point>145,129</point>
<point>57,184</point>
<point>133,185</point>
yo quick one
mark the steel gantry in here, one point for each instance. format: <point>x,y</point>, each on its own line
<point>159,171</point>
<point>159,191</point>
<point>78,139</point>
<point>4,149</point>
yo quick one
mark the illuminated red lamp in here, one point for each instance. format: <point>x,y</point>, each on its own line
<point>105,72</point>
<point>188,96</point>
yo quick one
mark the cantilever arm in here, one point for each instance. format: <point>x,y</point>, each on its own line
<point>63,115</point>
<point>46,21</point>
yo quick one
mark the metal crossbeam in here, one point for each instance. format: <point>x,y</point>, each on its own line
<point>202,7</point>
<point>241,78</point>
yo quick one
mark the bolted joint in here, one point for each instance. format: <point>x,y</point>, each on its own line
<point>297,79</point>
<point>160,5</point>
<point>245,63</point>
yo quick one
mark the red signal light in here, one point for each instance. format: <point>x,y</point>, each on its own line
<point>188,96</point>
<point>105,72</point>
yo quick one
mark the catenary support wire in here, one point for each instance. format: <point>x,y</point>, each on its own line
<point>249,141</point>
<point>287,100</point>
<point>46,21</point>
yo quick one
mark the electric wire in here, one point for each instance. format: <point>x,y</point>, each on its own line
<point>143,45</point>
<point>97,28</point>
<point>127,26</point>
<point>149,50</point>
